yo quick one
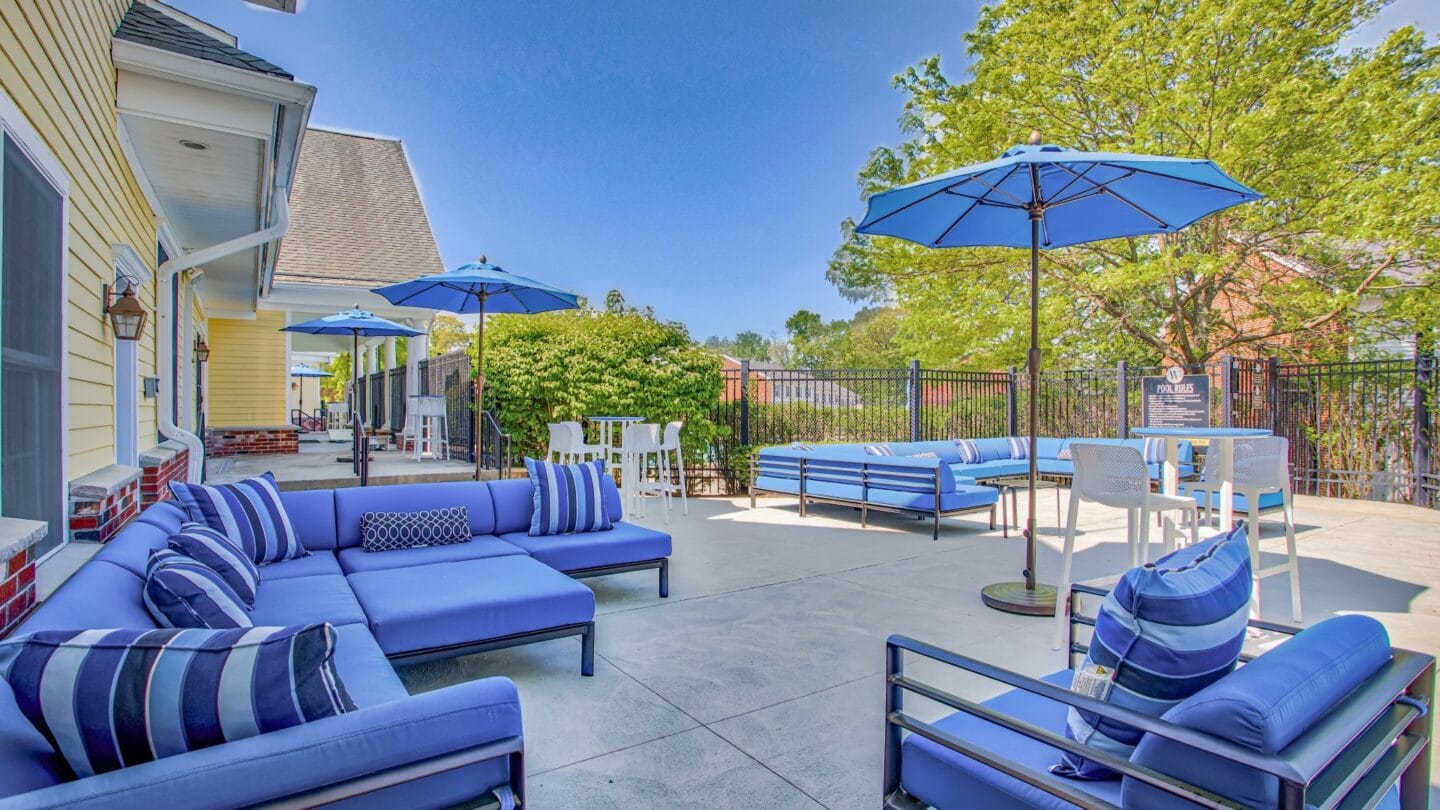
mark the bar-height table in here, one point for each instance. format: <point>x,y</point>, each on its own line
<point>1222,443</point>
<point>608,440</point>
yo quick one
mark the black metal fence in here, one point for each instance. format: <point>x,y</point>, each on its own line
<point>397,399</point>
<point>448,375</point>
<point>1360,429</point>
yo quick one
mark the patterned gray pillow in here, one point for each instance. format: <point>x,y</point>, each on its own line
<point>391,531</point>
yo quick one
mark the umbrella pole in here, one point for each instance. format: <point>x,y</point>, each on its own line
<point>354,400</point>
<point>1026,597</point>
<point>479,382</point>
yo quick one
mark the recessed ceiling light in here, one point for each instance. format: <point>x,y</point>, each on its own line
<point>196,145</point>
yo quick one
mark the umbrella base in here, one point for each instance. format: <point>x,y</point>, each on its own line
<point>1014,597</point>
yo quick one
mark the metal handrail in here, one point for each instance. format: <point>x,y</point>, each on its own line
<point>360,446</point>
<point>503,457</point>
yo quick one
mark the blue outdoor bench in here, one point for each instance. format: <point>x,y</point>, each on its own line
<point>1332,717</point>
<point>441,748</point>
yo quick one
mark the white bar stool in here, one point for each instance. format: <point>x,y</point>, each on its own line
<point>427,421</point>
<point>640,444</point>
<point>670,446</point>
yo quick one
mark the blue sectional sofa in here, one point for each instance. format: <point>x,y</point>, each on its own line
<point>926,478</point>
<point>1331,717</point>
<point>436,749</point>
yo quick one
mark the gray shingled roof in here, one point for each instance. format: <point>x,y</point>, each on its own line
<point>355,215</point>
<point>146,26</point>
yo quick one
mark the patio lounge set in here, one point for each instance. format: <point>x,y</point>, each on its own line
<point>500,587</point>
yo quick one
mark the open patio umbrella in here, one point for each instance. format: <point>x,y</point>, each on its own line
<point>1044,196</point>
<point>302,371</point>
<point>356,323</point>
<point>479,288</point>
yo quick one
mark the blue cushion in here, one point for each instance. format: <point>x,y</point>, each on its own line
<point>306,600</point>
<point>467,601</point>
<point>368,675</point>
<point>994,449</point>
<point>1050,466</point>
<point>1002,468</point>
<point>1166,631</point>
<point>1268,500</point>
<point>945,779</point>
<point>183,592</point>
<point>100,594</point>
<point>166,515</point>
<point>831,489</point>
<point>140,695</point>
<point>515,503</point>
<point>909,474</point>
<point>964,497</point>
<point>777,484</point>
<point>249,512</point>
<point>130,548</point>
<point>1265,705</point>
<point>27,761</point>
<point>356,559</point>
<point>568,498</point>
<point>317,564</point>
<point>625,543</point>
<point>211,548</point>
<point>395,531</point>
<point>1048,447</point>
<point>353,502</point>
<point>943,450</point>
<point>312,513</point>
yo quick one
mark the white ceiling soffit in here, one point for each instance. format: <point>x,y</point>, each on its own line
<point>287,6</point>
<point>314,300</point>
<point>249,125</point>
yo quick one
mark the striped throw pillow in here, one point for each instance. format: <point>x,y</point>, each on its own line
<point>183,592</point>
<point>879,450</point>
<point>568,497</point>
<point>1154,451</point>
<point>392,531</point>
<point>108,699</point>
<point>968,450</point>
<point>804,448</point>
<point>249,513</point>
<point>1019,447</point>
<point>210,547</point>
<point>1166,631</point>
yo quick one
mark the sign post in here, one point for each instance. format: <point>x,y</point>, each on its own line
<point>1176,400</point>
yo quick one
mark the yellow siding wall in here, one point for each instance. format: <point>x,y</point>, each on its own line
<point>247,372</point>
<point>55,66</point>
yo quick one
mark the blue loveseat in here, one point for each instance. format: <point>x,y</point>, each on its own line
<point>435,749</point>
<point>1331,717</point>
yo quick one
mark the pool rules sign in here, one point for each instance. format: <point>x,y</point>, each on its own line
<point>1176,400</point>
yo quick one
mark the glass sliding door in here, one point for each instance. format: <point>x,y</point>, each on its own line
<point>32,385</point>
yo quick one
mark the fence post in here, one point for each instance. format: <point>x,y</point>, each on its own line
<point>1424,376</point>
<point>744,403</point>
<point>1122,388</point>
<point>915,401</point>
<point>1272,392</point>
<point>1012,421</point>
<point>1227,390</point>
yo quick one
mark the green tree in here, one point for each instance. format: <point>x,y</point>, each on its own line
<point>1342,143</point>
<point>449,334</point>
<point>567,365</point>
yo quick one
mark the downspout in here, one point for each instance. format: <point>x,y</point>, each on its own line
<point>164,275</point>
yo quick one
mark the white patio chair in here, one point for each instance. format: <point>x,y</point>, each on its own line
<point>579,450</point>
<point>428,428</point>
<point>640,444</point>
<point>670,446</point>
<point>560,442</point>
<point>1114,475</point>
<point>1261,468</point>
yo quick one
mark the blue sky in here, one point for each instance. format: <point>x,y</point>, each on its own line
<point>698,156</point>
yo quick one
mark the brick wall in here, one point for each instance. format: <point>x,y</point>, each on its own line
<point>158,467</point>
<point>98,512</point>
<point>17,571</point>
<point>251,440</point>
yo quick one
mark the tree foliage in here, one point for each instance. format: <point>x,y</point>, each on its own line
<point>1341,143</point>
<point>872,339</point>
<point>449,334</point>
<point>568,365</point>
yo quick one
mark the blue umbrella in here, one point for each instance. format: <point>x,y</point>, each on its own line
<point>480,288</point>
<point>302,370</point>
<point>353,322</point>
<point>1043,196</point>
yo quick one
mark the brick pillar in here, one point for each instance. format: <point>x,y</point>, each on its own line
<point>17,569</point>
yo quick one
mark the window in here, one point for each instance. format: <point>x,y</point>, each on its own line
<point>32,319</point>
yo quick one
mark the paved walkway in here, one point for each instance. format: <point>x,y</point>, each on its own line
<point>758,682</point>
<point>317,466</point>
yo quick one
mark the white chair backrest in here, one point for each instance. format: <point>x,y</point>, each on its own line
<point>1262,463</point>
<point>642,438</point>
<point>1110,474</point>
<point>577,436</point>
<point>427,406</point>
<point>672,435</point>
<point>559,438</point>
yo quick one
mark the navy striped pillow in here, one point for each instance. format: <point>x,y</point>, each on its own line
<point>568,498</point>
<point>108,699</point>
<point>210,547</point>
<point>1167,631</point>
<point>249,513</point>
<point>183,592</point>
<point>968,450</point>
<point>1019,447</point>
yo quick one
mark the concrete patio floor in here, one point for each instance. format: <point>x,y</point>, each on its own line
<point>316,467</point>
<point>758,683</point>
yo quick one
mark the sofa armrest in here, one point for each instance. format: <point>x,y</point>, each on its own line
<point>317,762</point>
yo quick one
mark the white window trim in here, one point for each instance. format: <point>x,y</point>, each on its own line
<point>130,268</point>
<point>17,126</point>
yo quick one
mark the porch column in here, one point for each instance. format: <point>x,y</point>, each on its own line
<point>389,366</point>
<point>419,349</point>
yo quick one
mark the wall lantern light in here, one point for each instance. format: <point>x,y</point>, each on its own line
<point>127,315</point>
<point>202,350</point>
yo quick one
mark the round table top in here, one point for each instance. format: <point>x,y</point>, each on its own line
<point>616,418</point>
<point>1200,433</point>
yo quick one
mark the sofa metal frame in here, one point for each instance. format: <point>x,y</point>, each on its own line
<point>662,563</point>
<point>1386,724</point>
<point>585,630</point>
<point>824,466</point>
